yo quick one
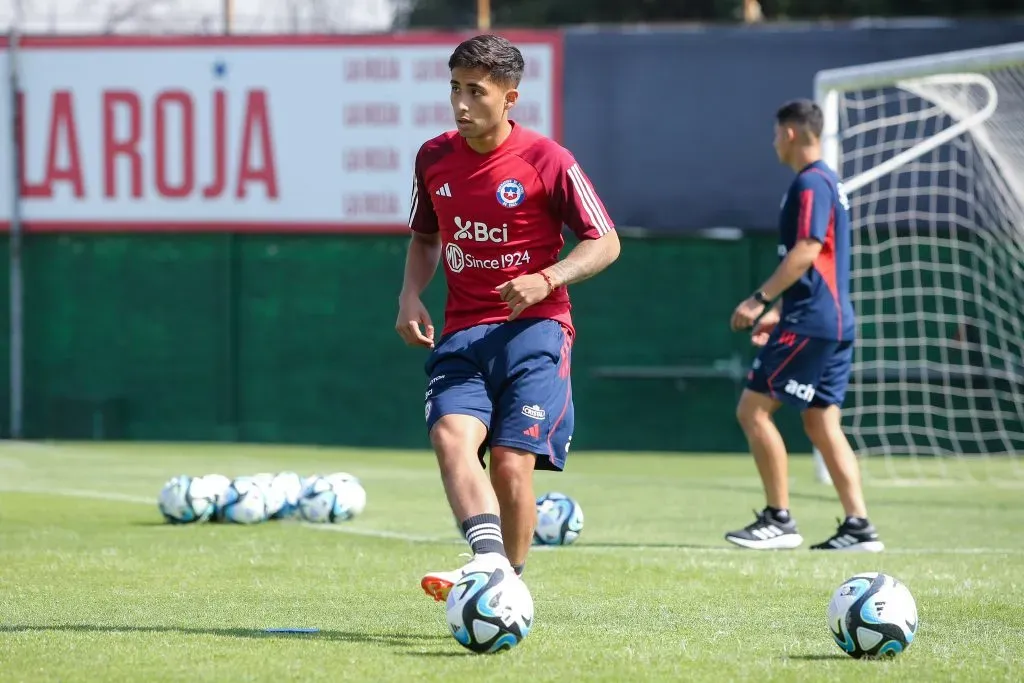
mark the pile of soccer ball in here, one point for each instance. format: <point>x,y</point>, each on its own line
<point>260,497</point>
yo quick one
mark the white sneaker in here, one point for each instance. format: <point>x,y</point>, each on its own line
<point>438,584</point>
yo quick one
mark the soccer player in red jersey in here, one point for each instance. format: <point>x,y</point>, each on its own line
<point>490,198</point>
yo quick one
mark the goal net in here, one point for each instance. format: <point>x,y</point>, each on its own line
<point>931,151</point>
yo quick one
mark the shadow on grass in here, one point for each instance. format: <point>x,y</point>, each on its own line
<point>816,658</point>
<point>391,639</point>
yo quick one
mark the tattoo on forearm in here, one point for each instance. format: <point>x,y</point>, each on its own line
<point>587,259</point>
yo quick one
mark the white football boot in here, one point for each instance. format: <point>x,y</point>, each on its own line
<point>438,584</point>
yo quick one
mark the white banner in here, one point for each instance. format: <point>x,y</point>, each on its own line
<point>259,134</point>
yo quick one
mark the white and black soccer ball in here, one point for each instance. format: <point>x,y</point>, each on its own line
<point>244,502</point>
<point>287,489</point>
<point>273,495</point>
<point>187,500</point>
<point>489,611</point>
<point>332,498</point>
<point>559,520</point>
<point>872,615</point>
<point>219,484</point>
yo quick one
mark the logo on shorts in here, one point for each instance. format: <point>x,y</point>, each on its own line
<point>534,411</point>
<point>426,410</point>
<point>804,392</point>
<point>511,193</point>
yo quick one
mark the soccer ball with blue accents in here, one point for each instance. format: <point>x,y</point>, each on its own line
<point>287,488</point>
<point>244,502</point>
<point>872,615</point>
<point>273,498</point>
<point>332,498</point>
<point>559,520</point>
<point>187,500</point>
<point>489,611</point>
<point>220,485</point>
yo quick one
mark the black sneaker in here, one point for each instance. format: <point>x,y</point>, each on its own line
<point>767,533</point>
<point>853,536</point>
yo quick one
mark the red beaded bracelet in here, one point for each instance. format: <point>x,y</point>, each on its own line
<point>551,287</point>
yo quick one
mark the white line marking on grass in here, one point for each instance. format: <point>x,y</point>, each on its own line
<point>10,443</point>
<point>954,551</point>
<point>944,483</point>
<point>582,548</point>
<point>140,500</point>
<point>377,533</point>
<point>617,548</point>
<point>77,493</point>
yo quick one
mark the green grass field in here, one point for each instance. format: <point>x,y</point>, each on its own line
<point>94,587</point>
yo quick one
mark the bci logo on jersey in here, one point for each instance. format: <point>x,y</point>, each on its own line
<point>511,193</point>
<point>480,232</point>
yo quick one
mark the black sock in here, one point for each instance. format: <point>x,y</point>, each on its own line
<point>484,534</point>
<point>856,522</point>
<point>519,568</point>
<point>778,514</point>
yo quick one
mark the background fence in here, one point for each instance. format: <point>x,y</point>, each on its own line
<point>289,338</point>
<point>231,322</point>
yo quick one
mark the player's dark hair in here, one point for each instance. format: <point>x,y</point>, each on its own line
<point>803,113</point>
<point>501,59</point>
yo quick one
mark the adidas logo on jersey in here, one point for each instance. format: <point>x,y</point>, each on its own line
<point>444,191</point>
<point>804,392</point>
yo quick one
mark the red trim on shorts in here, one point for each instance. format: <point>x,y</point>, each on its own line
<point>784,364</point>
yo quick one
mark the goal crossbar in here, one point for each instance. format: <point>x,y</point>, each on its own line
<point>875,74</point>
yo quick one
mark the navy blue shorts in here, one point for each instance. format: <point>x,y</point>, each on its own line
<point>804,372</point>
<point>514,377</point>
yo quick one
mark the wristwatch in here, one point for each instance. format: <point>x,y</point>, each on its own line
<point>761,298</point>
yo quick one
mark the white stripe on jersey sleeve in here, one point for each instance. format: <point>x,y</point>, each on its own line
<point>415,200</point>
<point>589,199</point>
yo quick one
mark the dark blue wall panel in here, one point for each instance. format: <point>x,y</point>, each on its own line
<point>675,125</point>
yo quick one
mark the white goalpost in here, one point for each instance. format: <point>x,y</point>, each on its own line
<point>931,152</point>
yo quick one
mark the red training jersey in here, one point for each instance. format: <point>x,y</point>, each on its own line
<point>500,216</point>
